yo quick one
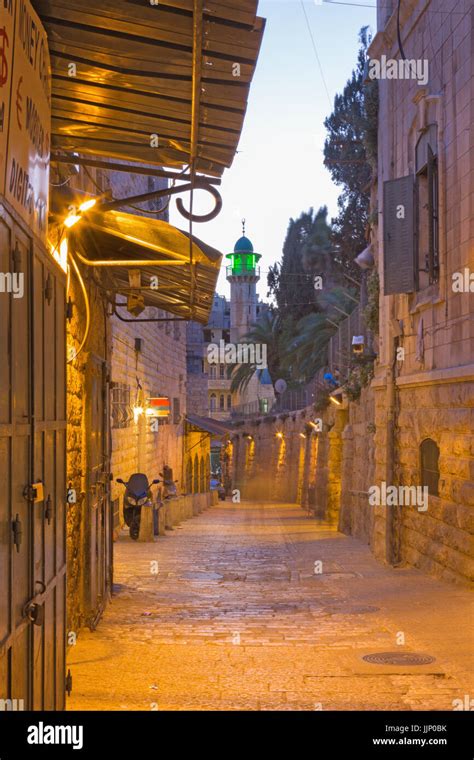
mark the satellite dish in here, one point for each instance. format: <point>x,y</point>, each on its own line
<point>280,386</point>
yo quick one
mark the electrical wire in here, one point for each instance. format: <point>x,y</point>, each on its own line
<point>87,305</point>
<point>389,7</point>
<point>316,53</point>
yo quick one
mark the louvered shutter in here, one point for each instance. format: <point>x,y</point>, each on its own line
<point>399,241</point>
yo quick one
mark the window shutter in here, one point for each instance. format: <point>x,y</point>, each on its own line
<point>399,243</point>
<point>176,411</point>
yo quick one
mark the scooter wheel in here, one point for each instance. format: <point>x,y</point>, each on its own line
<point>135,529</point>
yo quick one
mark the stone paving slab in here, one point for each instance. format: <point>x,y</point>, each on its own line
<point>237,619</point>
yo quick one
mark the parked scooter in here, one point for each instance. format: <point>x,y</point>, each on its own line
<point>169,485</point>
<point>137,495</point>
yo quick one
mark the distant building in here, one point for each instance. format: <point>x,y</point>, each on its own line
<point>209,387</point>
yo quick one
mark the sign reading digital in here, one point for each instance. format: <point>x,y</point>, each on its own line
<point>25,113</point>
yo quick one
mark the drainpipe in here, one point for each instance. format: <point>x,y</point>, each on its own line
<point>392,543</point>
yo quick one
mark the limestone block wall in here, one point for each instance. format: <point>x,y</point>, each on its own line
<point>160,367</point>
<point>377,439</point>
<point>440,540</point>
<point>280,458</point>
<point>78,437</point>
<point>357,517</point>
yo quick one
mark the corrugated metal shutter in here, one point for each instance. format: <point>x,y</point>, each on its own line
<point>399,242</point>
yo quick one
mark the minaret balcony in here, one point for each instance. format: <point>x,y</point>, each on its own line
<point>232,271</point>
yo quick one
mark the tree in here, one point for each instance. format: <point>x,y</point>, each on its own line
<point>306,353</point>
<point>273,332</point>
<point>288,281</point>
<point>350,152</point>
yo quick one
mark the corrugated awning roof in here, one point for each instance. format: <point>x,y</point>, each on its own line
<point>134,78</point>
<point>184,290</point>
<point>208,425</point>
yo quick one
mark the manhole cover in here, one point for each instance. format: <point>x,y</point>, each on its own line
<point>345,610</point>
<point>399,658</point>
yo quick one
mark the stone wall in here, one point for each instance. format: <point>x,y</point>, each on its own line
<point>285,458</point>
<point>78,435</point>
<point>427,392</point>
<point>330,472</point>
<point>160,366</point>
<point>440,540</point>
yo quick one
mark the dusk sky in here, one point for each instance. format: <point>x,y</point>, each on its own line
<point>278,171</point>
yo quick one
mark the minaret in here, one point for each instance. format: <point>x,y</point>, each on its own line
<point>243,275</point>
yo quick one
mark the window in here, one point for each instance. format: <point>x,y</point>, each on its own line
<point>212,371</point>
<point>202,476</point>
<point>212,403</point>
<point>221,370</point>
<point>176,411</point>
<point>229,401</point>
<point>427,209</point>
<point>429,461</point>
<point>221,402</point>
<point>399,238</point>
<point>189,476</point>
<point>121,410</point>
<point>196,475</point>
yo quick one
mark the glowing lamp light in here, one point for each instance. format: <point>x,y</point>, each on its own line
<point>60,256</point>
<point>302,435</point>
<point>337,400</point>
<point>71,220</point>
<point>279,435</point>
<point>137,412</point>
<point>88,204</point>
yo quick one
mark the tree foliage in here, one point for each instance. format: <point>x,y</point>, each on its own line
<point>350,152</point>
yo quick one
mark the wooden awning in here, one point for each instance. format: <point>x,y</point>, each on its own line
<point>207,425</point>
<point>121,245</point>
<point>124,70</point>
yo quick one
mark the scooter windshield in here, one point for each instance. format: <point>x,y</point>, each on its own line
<point>138,484</point>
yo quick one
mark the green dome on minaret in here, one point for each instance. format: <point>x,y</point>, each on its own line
<point>243,259</point>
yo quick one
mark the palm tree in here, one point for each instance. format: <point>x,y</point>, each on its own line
<point>274,332</point>
<point>306,352</point>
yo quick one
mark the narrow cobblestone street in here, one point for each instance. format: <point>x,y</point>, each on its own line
<point>238,619</point>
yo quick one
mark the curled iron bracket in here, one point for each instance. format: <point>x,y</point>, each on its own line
<point>198,184</point>
<point>201,185</point>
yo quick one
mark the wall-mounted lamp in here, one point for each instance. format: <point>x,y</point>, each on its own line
<point>358,344</point>
<point>73,218</point>
<point>137,412</point>
<point>338,397</point>
<point>365,260</point>
<point>279,435</point>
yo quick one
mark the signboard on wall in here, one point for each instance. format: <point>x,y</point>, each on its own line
<point>25,113</point>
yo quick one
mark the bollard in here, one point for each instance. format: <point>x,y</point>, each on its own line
<point>146,524</point>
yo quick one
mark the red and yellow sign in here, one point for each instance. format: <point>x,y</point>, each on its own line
<point>160,406</point>
<point>25,113</point>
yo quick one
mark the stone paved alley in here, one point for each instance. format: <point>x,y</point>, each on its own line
<point>237,619</point>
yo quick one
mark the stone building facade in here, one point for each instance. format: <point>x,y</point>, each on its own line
<point>122,365</point>
<point>423,387</point>
<point>209,390</point>
<point>413,426</point>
